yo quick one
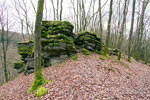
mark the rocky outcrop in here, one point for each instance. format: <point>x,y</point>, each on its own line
<point>58,43</point>
<point>88,41</point>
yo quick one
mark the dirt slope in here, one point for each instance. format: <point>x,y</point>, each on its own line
<point>88,78</point>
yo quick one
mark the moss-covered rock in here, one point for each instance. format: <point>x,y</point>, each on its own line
<point>85,51</point>
<point>75,57</point>
<point>57,45</point>
<point>57,48</point>
<point>88,41</point>
<point>25,50</point>
<point>56,27</point>
<point>19,66</point>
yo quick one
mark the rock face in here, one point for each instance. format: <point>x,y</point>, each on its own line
<point>88,41</point>
<point>58,43</point>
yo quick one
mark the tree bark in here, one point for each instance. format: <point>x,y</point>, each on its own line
<point>37,39</point>
<point>109,24</point>
<point>39,79</point>
<point>122,25</point>
<point>100,21</point>
<point>131,31</point>
<point>61,10</point>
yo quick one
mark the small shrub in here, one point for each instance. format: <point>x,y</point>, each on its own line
<point>85,51</point>
<point>41,91</point>
<point>129,60</point>
<point>102,58</point>
<point>105,97</point>
<point>75,57</point>
<point>104,54</point>
<point>119,55</point>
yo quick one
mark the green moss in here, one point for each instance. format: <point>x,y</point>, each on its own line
<point>88,41</point>
<point>57,27</point>
<point>85,51</point>
<point>75,57</point>
<point>105,96</point>
<point>102,58</point>
<point>41,91</point>
<point>20,66</point>
<point>119,55</point>
<point>104,54</point>
<point>44,32</point>
<point>25,49</point>
<point>129,60</point>
<point>38,81</point>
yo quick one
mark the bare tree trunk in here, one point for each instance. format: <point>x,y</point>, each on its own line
<point>77,16</point>
<point>141,29</point>
<point>53,9</point>
<point>33,6</point>
<point>61,10</point>
<point>122,25</point>
<point>131,31</point>
<point>45,10</point>
<point>4,50</point>
<point>39,79</point>
<point>100,20</point>
<point>109,24</point>
<point>19,17</point>
<point>57,10</point>
<point>22,30</point>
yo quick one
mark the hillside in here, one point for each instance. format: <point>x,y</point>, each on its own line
<point>88,78</point>
<point>12,55</point>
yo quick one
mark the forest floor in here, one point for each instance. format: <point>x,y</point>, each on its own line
<point>88,78</point>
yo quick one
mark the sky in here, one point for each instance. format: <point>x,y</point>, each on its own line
<point>68,11</point>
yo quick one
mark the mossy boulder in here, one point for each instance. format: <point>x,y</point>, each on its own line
<point>26,50</point>
<point>88,41</point>
<point>57,45</point>
<point>57,48</point>
<point>56,27</point>
<point>85,51</point>
<point>19,66</point>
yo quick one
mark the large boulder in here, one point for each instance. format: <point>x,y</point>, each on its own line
<point>88,41</point>
<point>56,27</point>
<point>57,45</point>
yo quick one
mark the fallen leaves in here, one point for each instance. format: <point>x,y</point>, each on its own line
<point>86,79</point>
